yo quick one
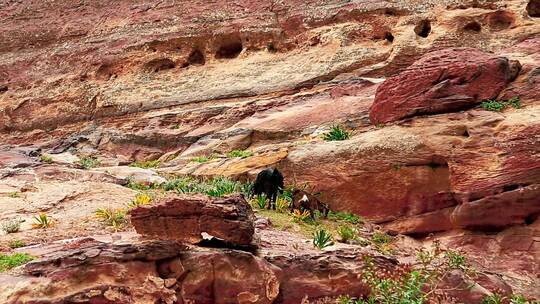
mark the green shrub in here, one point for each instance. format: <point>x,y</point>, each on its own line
<point>16,244</point>
<point>387,290</point>
<point>220,186</point>
<point>12,225</point>
<point>322,239</point>
<point>217,187</point>
<point>380,238</point>
<point>347,233</point>
<point>8,262</point>
<point>45,159</point>
<point>493,299</point>
<point>260,201</point>
<point>282,204</point>
<point>336,133</point>
<point>455,260</point>
<point>499,105</point>
<point>239,153</point>
<point>146,164</point>
<point>134,185</point>
<point>518,299</point>
<point>112,217</point>
<point>200,159</point>
<point>344,216</point>
<point>89,162</point>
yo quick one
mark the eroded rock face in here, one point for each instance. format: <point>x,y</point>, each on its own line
<point>185,218</point>
<point>442,81</point>
<point>88,271</point>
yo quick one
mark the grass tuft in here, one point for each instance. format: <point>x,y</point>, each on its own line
<point>322,239</point>
<point>239,153</point>
<point>146,164</point>
<point>89,162</point>
<point>336,133</point>
<point>115,218</point>
<point>499,105</point>
<point>10,261</point>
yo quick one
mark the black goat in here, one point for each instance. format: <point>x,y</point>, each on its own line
<point>270,183</point>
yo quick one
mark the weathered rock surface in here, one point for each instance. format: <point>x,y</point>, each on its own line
<point>442,81</point>
<point>186,218</point>
<point>141,80</point>
<point>89,271</point>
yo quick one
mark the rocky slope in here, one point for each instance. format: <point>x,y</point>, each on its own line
<point>173,80</point>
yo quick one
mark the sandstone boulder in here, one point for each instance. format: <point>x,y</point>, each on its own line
<point>442,81</point>
<point>186,218</point>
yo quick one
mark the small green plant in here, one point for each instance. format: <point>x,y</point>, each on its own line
<point>347,233</point>
<point>514,102</point>
<point>14,194</point>
<point>322,239</point>
<point>42,221</point>
<point>239,153</point>
<point>499,105</point>
<point>518,299</point>
<point>344,216</point>
<point>220,186</point>
<point>380,238</point>
<point>493,299</point>
<point>112,217</point>
<point>380,125</point>
<point>146,164</point>
<point>455,260</point>
<point>12,225</point>
<point>16,244</point>
<point>260,201</point>
<point>336,133</point>
<point>246,189</point>
<point>200,159</point>
<point>89,162</point>
<point>44,158</point>
<point>282,204</point>
<point>141,199</point>
<point>301,216</point>
<point>8,262</point>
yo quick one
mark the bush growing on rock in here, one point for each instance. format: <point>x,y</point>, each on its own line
<point>239,154</point>
<point>347,233</point>
<point>45,159</point>
<point>140,199</point>
<point>499,105</point>
<point>12,225</point>
<point>115,218</point>
<point>89,162</point>
<point>145,164</point>
<point>336,133</point>
<point>16,244</point>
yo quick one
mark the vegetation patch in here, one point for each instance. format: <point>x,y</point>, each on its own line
<point>336,133</point>
<point>218,186</point>
<point>14,194</point>
<point>140,199</point>
<point>347,234</point>
<point>345,217</point>
<point>12,225</point>
<point>499,105</point>
<point>146,164</point>
<point>16,244</point>
<point>89,162</point>
<point>45,159</point>
<point>115,218</point>
<point>9,261</point>
<point>239,154</point>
